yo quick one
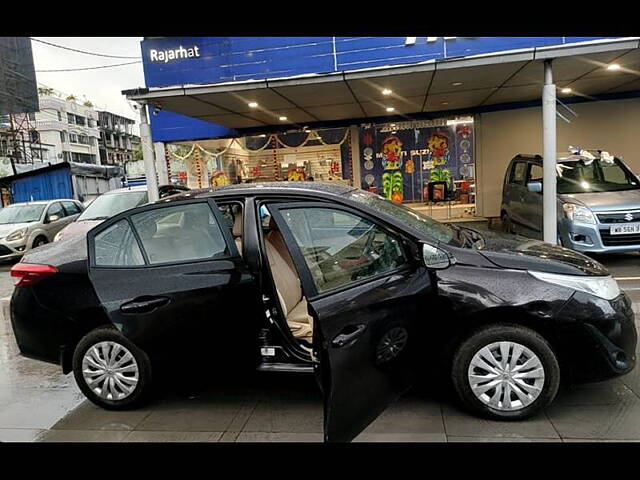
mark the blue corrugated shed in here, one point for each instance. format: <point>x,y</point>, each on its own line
<point>47,185</point>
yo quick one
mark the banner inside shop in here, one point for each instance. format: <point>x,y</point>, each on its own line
<point>418,163</point>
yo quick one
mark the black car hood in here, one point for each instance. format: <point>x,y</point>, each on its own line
<point>521,253</point>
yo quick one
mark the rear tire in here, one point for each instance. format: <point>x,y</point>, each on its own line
<point>521,377</point>
<point>112,371</point>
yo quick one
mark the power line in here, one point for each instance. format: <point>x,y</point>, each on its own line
<point>80,51</point>
<point>88,68</point>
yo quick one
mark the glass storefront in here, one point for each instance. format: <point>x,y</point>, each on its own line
<point>428,164</point>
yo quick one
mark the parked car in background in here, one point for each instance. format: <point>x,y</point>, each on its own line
<point>298,277</point>
<point>598,201</point>
<point>111,203</point>
<point>24,226</point>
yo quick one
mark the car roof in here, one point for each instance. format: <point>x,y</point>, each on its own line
<point>137,188</point>
<point>314,188</point>
<point>42,202</point>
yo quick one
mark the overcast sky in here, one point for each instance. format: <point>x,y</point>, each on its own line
<point>102,87</point>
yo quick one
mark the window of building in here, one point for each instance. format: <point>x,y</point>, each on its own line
<point>62,137</point>
<point>59,115</point>
<point>80,120</point>
<point>341,248</point>
<point>73,138</point>
<point>71,118</point>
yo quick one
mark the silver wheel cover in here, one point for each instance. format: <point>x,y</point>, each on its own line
<point>110,370</point>
<point>506,376</point>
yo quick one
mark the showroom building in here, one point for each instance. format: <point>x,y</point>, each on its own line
<point>425,120</point>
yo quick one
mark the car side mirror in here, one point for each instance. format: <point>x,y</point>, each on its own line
<point>53,218</point>
<point>535,187</point>
<point>435,258</point>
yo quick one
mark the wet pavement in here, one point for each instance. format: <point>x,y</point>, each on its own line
<point>38,403</point>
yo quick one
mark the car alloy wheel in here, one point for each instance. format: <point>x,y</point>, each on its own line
<point>506,376</point>
<point>391,344</point>
<point>110,371</point>
<point>505,371</point>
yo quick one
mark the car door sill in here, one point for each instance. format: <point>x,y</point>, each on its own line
<point>284,367</point>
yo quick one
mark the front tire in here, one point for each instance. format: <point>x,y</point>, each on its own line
<point>39,241</point>
<point>111,371</point>
<point>507,226</point>
<point>505,372</point>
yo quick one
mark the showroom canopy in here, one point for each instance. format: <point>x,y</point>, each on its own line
<point>443,85</point>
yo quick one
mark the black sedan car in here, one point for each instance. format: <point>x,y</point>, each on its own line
<point>309,277</point>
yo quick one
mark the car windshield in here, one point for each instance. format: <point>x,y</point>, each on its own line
<point>574,176</point>
<point>110,204</point>
<point>407,216</point>
<point>21,213</point>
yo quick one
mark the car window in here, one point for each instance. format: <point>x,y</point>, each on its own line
<point>181,233</point>
<point>535,173</point>
<point>342,248</point>
<point>56,209</point>
<point>518,171</point>
<point>111,204</point>
<point>71,208</point>
<point>117,247</point>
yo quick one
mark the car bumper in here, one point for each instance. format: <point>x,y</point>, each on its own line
<point>596,238</point>
<point>598,337</point>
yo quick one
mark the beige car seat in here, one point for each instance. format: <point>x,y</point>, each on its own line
<point>288,286</point>
<point>237,230</point>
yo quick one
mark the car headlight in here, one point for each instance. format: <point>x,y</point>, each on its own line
<point>578,213</point>
<point>58,236</point>
<point>601,286</point>
<point>17,235</point>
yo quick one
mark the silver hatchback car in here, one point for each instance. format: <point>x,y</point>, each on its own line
<point>24,226</point>
<point>598,201</point>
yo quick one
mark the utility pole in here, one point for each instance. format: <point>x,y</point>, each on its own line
<point>148,154</point>
<point>549,198</point>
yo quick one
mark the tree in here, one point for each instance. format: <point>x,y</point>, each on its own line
<point>71,98</point>
<point>88,104</point>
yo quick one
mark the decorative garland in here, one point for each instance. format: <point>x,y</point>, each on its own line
<point>269,144</point>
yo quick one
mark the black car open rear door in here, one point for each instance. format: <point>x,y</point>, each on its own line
<point>364,290</point>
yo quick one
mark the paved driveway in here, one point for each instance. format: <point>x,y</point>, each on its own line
<point>37,402</point>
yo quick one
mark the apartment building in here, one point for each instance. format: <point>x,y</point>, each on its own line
<point>71,128</point>
<point>117,141</point>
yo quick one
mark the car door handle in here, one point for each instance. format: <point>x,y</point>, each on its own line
<point>144,305</point>
<point>348,335</point>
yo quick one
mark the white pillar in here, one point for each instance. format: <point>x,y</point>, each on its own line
<point>161,163</point>
<point>355,155</point>
<point>549,199</point>
<point>148,155</point>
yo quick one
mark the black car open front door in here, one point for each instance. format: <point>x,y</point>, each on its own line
<point>170,278</point>
<point>366,292</point>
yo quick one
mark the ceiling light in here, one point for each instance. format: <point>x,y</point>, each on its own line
<point>445,103</point>
<point>456,84</point>
<point>386,91</point>
<point>253,104</point>
<point>566,90</point>
<point>613,66</point>
<point>282,119</point>
<point>390,109</point>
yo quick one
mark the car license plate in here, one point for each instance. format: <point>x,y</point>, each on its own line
<point>624,229</point>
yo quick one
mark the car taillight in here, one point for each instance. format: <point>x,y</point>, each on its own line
<point>30,273</point>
